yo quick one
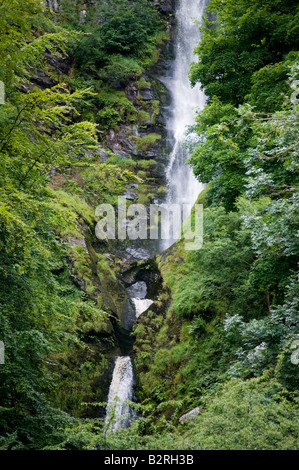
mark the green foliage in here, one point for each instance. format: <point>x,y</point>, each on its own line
<point>144,143</point>
<point>254,415</point>
<point>41,132</point>
<point>220,151</point>
<point>28,153</point>
<point>263,340</point>
<point>215,277</point>
<point>36,318</point>
<point>270,86</point>
<point>89,54</point>
<point>247,264</point>
<point>251,415</point>
<point>121,37</point>
<point>221,335</point>
<point>120,69</point>
<point>127,25</point>
<point>244,37</point>
<point>114,108</point>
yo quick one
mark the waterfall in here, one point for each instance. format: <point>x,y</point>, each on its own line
<point>118,414</point>
<point>118,411</point>
<point>183,187</point>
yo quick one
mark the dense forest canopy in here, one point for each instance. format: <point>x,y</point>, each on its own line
<point>221,334</point>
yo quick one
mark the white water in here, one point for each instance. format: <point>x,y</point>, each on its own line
<point>118,414</point>
<point>138,292</point>
<point>141,305</point>
<point>183,187</point>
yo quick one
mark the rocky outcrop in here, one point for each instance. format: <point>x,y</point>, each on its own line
<point>190,416</point>
<point>57,67</point>
<point>166,7</point>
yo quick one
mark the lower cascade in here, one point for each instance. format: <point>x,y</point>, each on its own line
<point>118,411</point>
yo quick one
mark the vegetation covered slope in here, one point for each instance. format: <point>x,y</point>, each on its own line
<point>64,78</point>
<point>225,344</point>
<point>228,343</point>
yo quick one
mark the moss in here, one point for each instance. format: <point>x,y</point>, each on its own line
<point>104,268</point>
<point>143,117</point>
<point>121,162</point>
<point>202,197</point>
<point>78,208</point>
<point>81,380</point>
<point>144,143</point>
<point>146,164</point>
<point>146,199</point>
<point>155,105</point>
<point>142,83</point>
<point>115,107</point>
<point>162,190</point>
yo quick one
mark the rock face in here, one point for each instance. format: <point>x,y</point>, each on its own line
<point>190,415</point>
<point>165,6</point>
<point>142,139</point>
<point>57,65</point>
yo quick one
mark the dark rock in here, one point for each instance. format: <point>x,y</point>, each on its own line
<point>165,6</point>
<point>42,80</point>
<point>61,63</point>
<point>102,153</point>
<point>147,94</point>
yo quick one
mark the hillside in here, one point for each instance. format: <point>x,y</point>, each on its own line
<point>88,102</point>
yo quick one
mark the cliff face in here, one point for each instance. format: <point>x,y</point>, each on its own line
<point>105,271</point>
<point>143,137</point>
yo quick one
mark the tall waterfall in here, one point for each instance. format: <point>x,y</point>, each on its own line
<point>118,413</point>
<point>183,187</point>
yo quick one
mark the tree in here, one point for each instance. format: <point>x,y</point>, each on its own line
<point>241,38</point>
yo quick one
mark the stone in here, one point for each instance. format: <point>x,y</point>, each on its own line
<point>165,6</point>
<point>190,415</point>
<point>78,242</point>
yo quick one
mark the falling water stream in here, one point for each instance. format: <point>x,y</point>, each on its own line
<point>118,413</point>
<point>183,188</point>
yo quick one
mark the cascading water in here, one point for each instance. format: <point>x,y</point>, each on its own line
<point>118,413</point>
<point>183,187</point>
<point>138,292</point>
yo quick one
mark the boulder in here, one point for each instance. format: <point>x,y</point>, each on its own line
<point>190,415</point>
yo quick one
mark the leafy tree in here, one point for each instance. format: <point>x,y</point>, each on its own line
<point>240,38</point>
<point>219,153</point>
<point>41,130</point>
<point>264,340</point>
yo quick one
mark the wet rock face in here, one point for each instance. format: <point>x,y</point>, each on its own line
<point>146,139</point>
<point>165,6</point>
<point>142,277</point>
